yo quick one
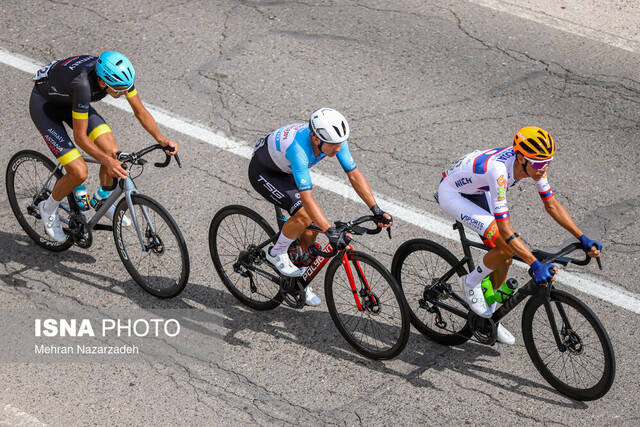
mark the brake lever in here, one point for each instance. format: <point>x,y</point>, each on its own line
<point>389,232</point>
<point>599,263</point>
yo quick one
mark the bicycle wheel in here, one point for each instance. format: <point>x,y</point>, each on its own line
<point>417,266</point>
<point>381,329</point>
<point>234,233</point>
<point>162,267</point>
<point>585,368</point>
<point>27,174</point>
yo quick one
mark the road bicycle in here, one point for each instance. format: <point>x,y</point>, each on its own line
<point>364,300</point>
<point>151,248</point>
<point>565,340</point>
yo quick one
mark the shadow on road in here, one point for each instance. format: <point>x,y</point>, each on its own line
<point>311,328</point>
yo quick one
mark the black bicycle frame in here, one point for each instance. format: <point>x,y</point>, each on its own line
<point>530,289</point>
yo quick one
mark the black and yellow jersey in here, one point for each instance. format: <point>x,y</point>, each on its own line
<point>72,81</point>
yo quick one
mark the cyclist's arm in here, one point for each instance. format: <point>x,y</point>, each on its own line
<point>497,183</point>
<point>360,184</point>
<point>148,122</point>
<point>516,244</point>
<point>562,217</point>
<point>80,126</point>
<point>313,210</point>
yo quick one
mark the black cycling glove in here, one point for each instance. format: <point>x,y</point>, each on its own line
<point>379,215</point>
<point>338,240</point>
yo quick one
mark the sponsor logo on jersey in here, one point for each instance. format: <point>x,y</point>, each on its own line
<point>502,188</point>
<point>462,182</point>
<point>493,229</point>
<point>506,155</point>
<point>273,190</point>
<point>81,61</point>
<point>471,221</point>
<point>55,135</point>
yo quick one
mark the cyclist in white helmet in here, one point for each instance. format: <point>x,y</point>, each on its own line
<point>279,171</point>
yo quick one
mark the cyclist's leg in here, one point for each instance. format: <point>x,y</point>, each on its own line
<point>100,134</point>
<point>48,119</point>
<point>469,210</point>
<point>279,188</point>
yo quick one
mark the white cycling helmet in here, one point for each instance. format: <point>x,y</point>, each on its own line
<point>329,125</point>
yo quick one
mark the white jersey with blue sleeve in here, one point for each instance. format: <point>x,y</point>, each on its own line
<point>489,171</point>
<point>291,150</point>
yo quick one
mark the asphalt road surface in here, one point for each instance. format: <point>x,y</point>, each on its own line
<point>421,83</point>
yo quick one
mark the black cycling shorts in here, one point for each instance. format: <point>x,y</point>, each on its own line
<point>49,118</point>
<point>274,185</point>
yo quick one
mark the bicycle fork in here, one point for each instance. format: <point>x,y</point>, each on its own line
<point>365,292</point>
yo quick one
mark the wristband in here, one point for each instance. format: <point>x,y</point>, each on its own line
<point>513,236</point>
<point>375,209</point>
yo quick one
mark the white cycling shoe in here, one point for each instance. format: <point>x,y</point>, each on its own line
<point>475,299</point>
<point>126,222</point>
<point>283,264</point>
<point>312,299</point>
<point>504,336</point>
<point>52,225</point>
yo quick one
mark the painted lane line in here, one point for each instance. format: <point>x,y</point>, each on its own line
<point>559,24</point>
<point>585,283</point>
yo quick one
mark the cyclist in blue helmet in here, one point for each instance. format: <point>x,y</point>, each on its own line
<point>63,93</point>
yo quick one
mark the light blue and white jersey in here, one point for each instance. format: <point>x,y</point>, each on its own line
<point>291,150</point>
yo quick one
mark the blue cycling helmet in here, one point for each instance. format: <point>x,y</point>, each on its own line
<point>115,69</point>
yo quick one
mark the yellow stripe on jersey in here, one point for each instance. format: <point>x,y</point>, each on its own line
<point>69,157</point>
<point>99,130</point>
<point>81,116</point>
<point>134,92</point>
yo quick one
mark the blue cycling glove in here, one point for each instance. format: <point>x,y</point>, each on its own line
<point>542,273</point>
<point>587,243</point>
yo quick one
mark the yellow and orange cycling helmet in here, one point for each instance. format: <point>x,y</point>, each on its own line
<point>534,143</point>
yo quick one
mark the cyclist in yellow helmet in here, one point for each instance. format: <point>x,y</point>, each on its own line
<point>474,191</point>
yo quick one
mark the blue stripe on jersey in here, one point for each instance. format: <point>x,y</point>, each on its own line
<point>480,162</point>
<point>501,216</point>
<point>485,188</point>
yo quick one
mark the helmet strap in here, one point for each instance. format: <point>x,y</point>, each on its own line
<point>524,166</point>
<point>320,146</point>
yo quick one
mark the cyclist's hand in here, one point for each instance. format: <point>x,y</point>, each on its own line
<point>339,240</point>
<point>115,169</point>
<point>166,142</point>
<point>382,218</point>
<point>543,273</point>
<point>594,247</point>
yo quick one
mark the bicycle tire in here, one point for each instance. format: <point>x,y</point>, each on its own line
<point>241,227</point>
<point>539,341</point>
<point>416,264</point>
<point>26,174</point>
<point>163,270</point>
<point>368,325</point>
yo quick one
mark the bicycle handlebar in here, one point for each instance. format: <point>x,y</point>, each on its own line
<point>348,227</point>
<point>136,158</point>
<point>560,258</point>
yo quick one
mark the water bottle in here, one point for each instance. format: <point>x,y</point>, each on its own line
<point>82,198</point>
<point>98,198</point>
<point>295,252</point>
<point>506,290</point>
<point>487,291</point>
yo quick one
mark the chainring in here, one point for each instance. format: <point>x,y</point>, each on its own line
<point>292,290</point>
<point>485,330</point>
<point>79,231</point>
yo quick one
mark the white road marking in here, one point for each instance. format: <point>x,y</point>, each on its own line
<point>13,416</point>
<point>443,227</point>
<point>559,24</point>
